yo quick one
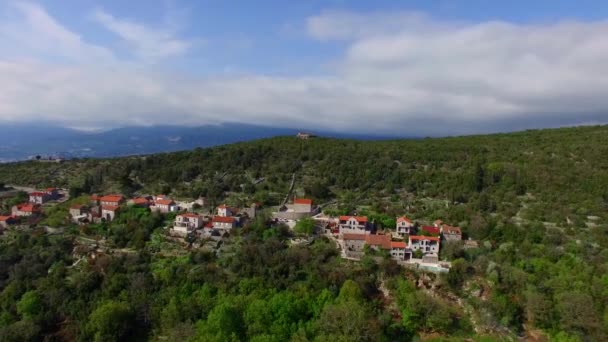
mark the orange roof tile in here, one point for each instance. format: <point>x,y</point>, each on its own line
<point>109,207</point>
<point>111,198</point>
<point>383,241</point>
<point>302,201</point>
<point>165,202</point>
<point>404,219</point>
<point>398,244</point>
<point>223,219</point>
<point>360,237</point>
<point>360,219</point>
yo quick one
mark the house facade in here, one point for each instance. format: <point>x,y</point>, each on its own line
<point>225,223</point>
<point>426,244</point>
<point>80,213</point>
<point>111,200</point>
<point>226,211</point>
<point>108,212</point>
<point>302,205</point>
<point>399,251</point>
<point>164,206</point>
<point>353,245</point>
<point>353,225</point>
<point>39,197</point>
<point>187,223</point>
<point>451,233</point>
<point>404,226</point>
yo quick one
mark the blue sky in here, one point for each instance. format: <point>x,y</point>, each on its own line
<point>398,67</point>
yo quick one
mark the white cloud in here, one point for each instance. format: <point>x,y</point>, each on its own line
<point>147,44</point>
<point>27,30</point>
<point>403,76</point>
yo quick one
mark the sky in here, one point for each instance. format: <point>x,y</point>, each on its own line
<point>410,68</point>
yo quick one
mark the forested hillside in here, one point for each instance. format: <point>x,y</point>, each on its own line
<point>536,201</point>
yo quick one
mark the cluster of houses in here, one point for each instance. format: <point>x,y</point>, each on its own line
<point>355,233</point>
<point>224,220</point>
<point>30,209</point>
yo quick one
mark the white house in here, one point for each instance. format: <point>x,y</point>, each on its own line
<point>187,223</point>
<point>111,200</point>
<point>226,211</point>
<point>39,197</point>
<point>164,206</point>
<point>353,225</point>
<point>109,212</point>
<point>404,226</point>
<point>427,244</point>
<point>225,223</point>
<point>302,205</point>
<point>399,251</point>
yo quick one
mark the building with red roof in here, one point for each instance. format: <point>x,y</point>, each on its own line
<point>302,205</point>
<point>404,226</point>
<point>187,223</point>
<point>353,225</point>
<point>226,211</point>
<point>224,223</point>
<point>426,244</point>
<point>451,233</point>
<point>112,200</point>
<point>164,205</point>
<point>25,210</point>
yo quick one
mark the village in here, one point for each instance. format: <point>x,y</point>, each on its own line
<point>196,224</point>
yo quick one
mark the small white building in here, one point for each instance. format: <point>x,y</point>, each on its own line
<point>164,206</point>
<point>39,197</point>
<point>108,212</point>
<point>427,244</point>
<point>404,226</point>
<point>302,205</point>
<point>226,211</point>
<point>187,223</point>
<point>224,223</point>
<point>353,225</point>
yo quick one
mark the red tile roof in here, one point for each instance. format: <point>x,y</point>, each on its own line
<point>398,244</point>
<point>38,193</point>
<point>360,237</point>
<point>109,207</point>
<point>193,215</point>
<point>223,219</point>
<point>111,198</point>
<point>383,241</point>
<point>419,237</point>
<point>360,219</point>
<point>50,189</point>
<point>431,230</point>
<point>451,230</point>
<point>28,207</point>
<point>6,218</point>
<point>140,200</point>
<point>302,201</point>
<point>404,219</point>
<point>165,202</point>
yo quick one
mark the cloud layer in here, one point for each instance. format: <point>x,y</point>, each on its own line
<point>401,73</point>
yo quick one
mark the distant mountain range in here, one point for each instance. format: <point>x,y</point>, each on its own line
<point>21,142</point>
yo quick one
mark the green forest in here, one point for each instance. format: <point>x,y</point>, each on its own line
<point>535,201</point>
